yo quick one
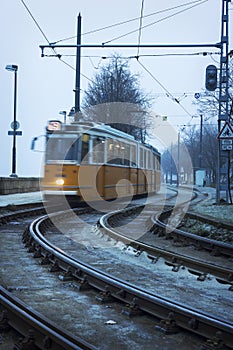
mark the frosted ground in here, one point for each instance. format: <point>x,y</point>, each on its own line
<point>223,211</point>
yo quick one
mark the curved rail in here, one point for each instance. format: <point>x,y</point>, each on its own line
<point>37,329</point>
<point>215,247</point>
<point>172,314</point>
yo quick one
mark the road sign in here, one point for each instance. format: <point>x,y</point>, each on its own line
<point>15,125</point>
<point>226,144</point>
<point>226,132</point>
<point>17,133</point>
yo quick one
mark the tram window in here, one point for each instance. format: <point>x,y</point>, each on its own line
<point>158,163</point>
<point>126,154</point>
<point>149,160</point>
<point>154,162</point>
<point>110,151</point>
<point>61,148</point>
<point>98,150</point>
<point>145,158</point>
<point>133,155</point>
<point>71,154</point>
<point>85,148</point>
<point>116,152</point>
<point>141,157</point>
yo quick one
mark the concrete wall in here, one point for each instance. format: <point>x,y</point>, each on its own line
<point>9,185</point>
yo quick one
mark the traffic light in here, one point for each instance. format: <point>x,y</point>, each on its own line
<point>211,78</point>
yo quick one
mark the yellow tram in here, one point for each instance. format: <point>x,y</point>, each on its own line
<point>89,162</point>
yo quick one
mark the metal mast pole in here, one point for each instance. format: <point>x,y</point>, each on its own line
<point>78,69</point>
<point>178,161</point>
<point>223,112</point>
<point>14,128</point>
<point>201,132</point>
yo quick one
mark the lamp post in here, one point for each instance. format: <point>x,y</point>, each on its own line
<point>14,68</point>
<point>64,114</point>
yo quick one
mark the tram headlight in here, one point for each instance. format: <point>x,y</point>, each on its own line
<point>59,182</point>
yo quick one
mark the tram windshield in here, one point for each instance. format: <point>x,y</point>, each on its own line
<point>62,147</point>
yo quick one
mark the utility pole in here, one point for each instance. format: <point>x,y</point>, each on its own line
<point>201,132</point>
<point>171,165</point>
<point>78,69</point>
<point>178,161</point>
<point>223,112</point>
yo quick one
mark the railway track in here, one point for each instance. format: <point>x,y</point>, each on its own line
<point>152,242</point>
<point>38,331</point>
<point>171,316</point>
<point>118,227</point>
<point>32,330</point>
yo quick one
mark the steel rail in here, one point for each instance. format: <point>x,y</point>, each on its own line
<point>21,213</point>
<point>195,266</point>
<point>136,298</point>
<point>38,331</point>
<point>45,335</point>
<point>216,247</point>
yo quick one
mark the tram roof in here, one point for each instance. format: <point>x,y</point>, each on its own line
<point>101,128</point>
<point>91,127</point>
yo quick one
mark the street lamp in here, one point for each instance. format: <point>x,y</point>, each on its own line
<point>64,114</point>
<point>14,68</point>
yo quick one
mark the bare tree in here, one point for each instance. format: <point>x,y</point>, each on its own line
<point>207,151</point>
<point>114,97</point>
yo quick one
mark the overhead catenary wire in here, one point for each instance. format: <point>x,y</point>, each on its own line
<point>169,94</point>
<point>59,56</point>
<point>38,26</point>
<point>140,27</point>
<point>35,21</point>
<point>196,3</point>
<point>128,21</point>
<point>153,23</point>
<point>203,53</point>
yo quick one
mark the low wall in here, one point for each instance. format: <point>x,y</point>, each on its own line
<point>9,185</point>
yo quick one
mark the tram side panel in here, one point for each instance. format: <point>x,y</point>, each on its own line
<point>133,178</point>
<point>148,179</point>
<point>141,182</point>
<point>157,181</point>
<point>94,181</point>
<point>91,182</point>
<point>115,185</point>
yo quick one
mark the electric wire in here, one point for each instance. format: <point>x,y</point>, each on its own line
<point>204,53</point>
<point>140,27</point>
<point>35,21</point>
<point>169,94</point>
<point>128,21</point>
<point>40,29</point>
<point>153,23</point>
<point>59,56</point>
